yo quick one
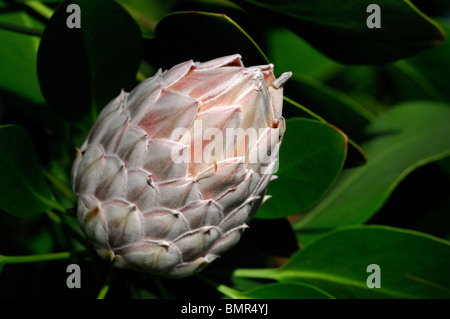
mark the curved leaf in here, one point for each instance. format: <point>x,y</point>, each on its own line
<point>289,52</point>
<point>355,154</point>
<point>147,13</point>
<point>424,74</point>
<point>23,191</point>
<point>81,69</point>
<point>286,290</point>
<point>18,58</point>
<point>19,83</point>
<point>202,36</point>
<point>311,157</point>
<point>412,264</point>
<point>406,137</point>
<point>339,29</point>
<point>337,108</point>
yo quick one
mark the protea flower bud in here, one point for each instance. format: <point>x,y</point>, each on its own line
<point>172,172</point>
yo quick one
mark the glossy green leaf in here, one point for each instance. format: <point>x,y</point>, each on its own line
<point>81,69</point>
<point>20,37</point>
<point>360,80</point>
<point>18,57</point>
<point>292,109</point>
<point>411,264</point>
<point>311,157</point>
<point>340,30</point>
<point>422,75</point>
<point>286,290</point>
<point>147,13</point>
<point>23,191</point>
<point>289,52</point>
<point>335,107</point>
<point>202,36</point>
<point>404,138</point>
<point>400,82</point>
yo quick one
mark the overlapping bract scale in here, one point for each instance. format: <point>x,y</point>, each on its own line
<point>162,186</point>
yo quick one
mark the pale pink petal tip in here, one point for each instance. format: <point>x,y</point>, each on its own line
<point>282,79</point>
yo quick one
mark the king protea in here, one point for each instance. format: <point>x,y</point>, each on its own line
<point>172,172</point>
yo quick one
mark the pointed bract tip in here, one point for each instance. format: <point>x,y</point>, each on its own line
<point>282,79</point>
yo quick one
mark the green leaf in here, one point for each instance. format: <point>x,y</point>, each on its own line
<point>355,154</point>
<point>19,85</point>
<point>286,291</point>
<point>404,138</point>
<point>202,36</point>
<point>335,107</point>
<point>339,29</point>
<point>421,77</point>
<point>425,73</point>
<point>22,186</point>
<point>401,82</point>
<point>147,13</point>
<point>81,69</point>
<point>18,57</point>
<point>289,52</point>
<point>311,157</point>
<point>42,242</point>
<point>412,264</point>
<point>244,284</point>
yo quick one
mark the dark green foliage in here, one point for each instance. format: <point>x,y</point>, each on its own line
<point>367,142</point>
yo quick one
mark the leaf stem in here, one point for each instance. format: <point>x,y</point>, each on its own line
<point>42,257</point>
<point>230,292</point>
<point>104,291</point>
<point>249,38</point>
<point>65,190</point>
<point>54,217</point>
<point>21,29</point>
<point>227,291</point>
<point>40,8</point>
<point>256,273</point>
<point>55,205</point>
<point>304,109</point>
<point>67,227</point>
